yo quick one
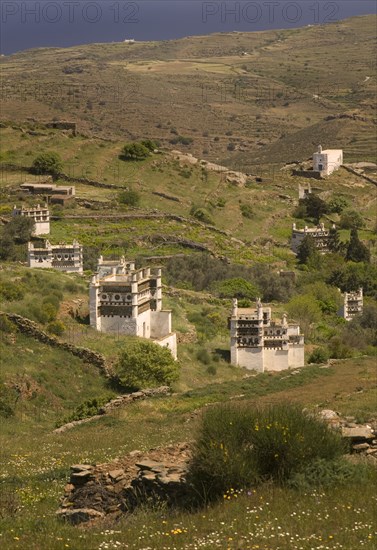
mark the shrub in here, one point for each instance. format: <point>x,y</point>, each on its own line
<point>11,291</point>
<point>201,214</point>
<point>211,369</point>
<point>351,219</point>
<point>237,447</point>
<point>149,144</point>
<point>247,211</point>
<point>90,407</point>
<point>183,140</point>
<point>134,151</point>
<point>6,325</point>
<point>47,163</point>
<point>144,364</point>
<point>327,473</point>
<point>319,355</point>
<point>56,327</point>
<point>204,356</point>
<point>130,198</point>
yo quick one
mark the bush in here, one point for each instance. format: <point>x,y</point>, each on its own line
<point>144,364</point>
<point>351,219</point>
<point>247,211</point>
<point>237,447</point>
<point>130,198</point>
<point>327,473</point>
<point>90,407</point>
<point>319,355</point>
<point>149,144</point>
<point>204,356</point>
<point>183,140</point>
<point>11,291</point>
<point>6,325</point>
<point>201,214</point>
<point>56,327</point>
<point>47,163</point>
<point>134,151</point>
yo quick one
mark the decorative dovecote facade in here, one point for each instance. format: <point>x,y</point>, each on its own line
<point>40,215</point>
<point>63,257</point>
<point>322,237</point>
<point>327,160</point>
<point>352,304</point>
<point>125,300</point>
<point>257,342</point>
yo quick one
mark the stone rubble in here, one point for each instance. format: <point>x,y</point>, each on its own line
<point>97,491</point>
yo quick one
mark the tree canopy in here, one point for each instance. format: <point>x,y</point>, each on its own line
<point>143,364</point>
<point>134,151</point>
<point>47,163</point>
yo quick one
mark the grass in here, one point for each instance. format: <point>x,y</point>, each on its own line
<point>36,465</point>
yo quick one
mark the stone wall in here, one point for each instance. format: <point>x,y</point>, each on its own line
<point>115,403</point>
<point>30,328</point>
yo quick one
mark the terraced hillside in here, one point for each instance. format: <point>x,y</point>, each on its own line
<point>242,97</point>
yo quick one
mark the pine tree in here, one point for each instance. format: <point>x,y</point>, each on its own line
<point>307,250</point>
<point>334,242</point>
<point>356,250</point>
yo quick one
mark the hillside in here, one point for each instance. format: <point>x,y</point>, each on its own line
<point>263,94</point>
<point>245,221</point>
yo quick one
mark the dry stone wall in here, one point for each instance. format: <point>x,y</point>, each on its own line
<point>30,328</point>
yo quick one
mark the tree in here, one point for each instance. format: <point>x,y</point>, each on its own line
<point>307,251</point>
<point>19,229</point>
<point>350,219</point>
<point>334,242</point>
<point>337,204</point>
<point>356,250</point>
<point>305,310</point>
<point>143,364</point>
<point>47,163</point>
<point>315,206</point>
<point>134,151</point>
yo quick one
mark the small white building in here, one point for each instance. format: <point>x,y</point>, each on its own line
<point>322,237</point>
<point>129,301</point>
<point>327,160</point>
<point>40,215</point>
<point>352,304</point>
<point>63,257</point>
<point>257,342</point>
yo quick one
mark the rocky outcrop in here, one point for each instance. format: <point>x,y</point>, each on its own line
<point>30,328</point>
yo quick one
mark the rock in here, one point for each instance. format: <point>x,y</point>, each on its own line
<point>116,474</point>
<point>81,467</point>
<point>360,447</point>
<point>79,515</point>
<point>328,414</point>
<point>80,478</point>
<point>361,432</point>
<point>150,465</point>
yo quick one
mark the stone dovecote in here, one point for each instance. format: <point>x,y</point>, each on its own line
<point>62,257</point>
<point>260,343</point>
<point>125,300</point>
<point>40,215</point>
